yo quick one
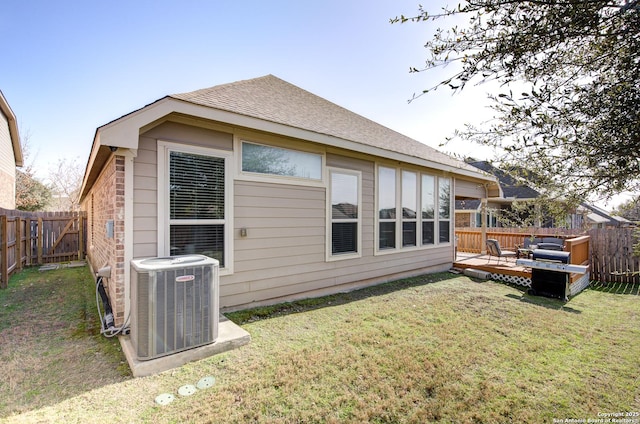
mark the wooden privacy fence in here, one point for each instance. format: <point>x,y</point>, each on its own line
<point>35,238</point>
<point>612,258</point>
<point>610,249</point>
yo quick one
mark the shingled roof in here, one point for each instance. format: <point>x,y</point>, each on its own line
<point>273,99</point>
<point>270,104</point>
<point>511,188</point>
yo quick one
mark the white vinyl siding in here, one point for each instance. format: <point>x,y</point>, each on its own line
<point>7,166</point>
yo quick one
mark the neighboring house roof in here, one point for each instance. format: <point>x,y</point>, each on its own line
<point>468,205</point>
<point>511,188</point>
<point>13,129</point>
<point>600,216</point>
<point>270,104</point>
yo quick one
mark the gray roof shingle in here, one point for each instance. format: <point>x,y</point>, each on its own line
<point>273,99</point>
<point>510,186</point>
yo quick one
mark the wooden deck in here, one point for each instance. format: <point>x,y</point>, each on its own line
<point>506,266</point>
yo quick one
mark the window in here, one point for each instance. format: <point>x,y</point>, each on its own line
<point>193,215</point>
<point>428,194</point>
<point>270,160</point>
<point>386,208</point>
<point>444,214</point>
<point>428,209</point>
<point>345,212</point>
<point>409,208</point>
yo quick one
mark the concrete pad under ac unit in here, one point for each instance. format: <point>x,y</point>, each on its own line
<point>476,273</point>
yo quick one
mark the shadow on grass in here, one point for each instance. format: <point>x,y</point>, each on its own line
<point>264,312</point>
<point>632,289</point>
<point>545,302</point>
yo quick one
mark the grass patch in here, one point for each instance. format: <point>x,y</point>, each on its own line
<point>438,348</point>
<point>51,349</point>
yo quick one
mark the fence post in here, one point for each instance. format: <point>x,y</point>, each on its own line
<point>80,236</point>
<point>4,253</point>
<point>40,239</point>
<point>19,243</point>
<point>28,242</point>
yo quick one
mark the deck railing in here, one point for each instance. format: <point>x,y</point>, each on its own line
<point>609,251</point>
<point>470,239</point>
<point>579,248</point>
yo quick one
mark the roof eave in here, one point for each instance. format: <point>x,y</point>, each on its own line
<point>124,133</point>
<point>13,130</point>
<point>333,141</point>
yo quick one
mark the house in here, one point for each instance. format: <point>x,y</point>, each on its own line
<point>599,218</point>
<point>10,154</point>
<point>468,212</point>
<point>295,196</point>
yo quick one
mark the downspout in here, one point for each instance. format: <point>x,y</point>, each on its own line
<point>129,156</point>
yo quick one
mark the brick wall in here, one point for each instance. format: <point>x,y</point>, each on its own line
<point>464,219</point>
<point>105,211</point>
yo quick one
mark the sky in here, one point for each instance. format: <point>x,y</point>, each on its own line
<point>69,67</point>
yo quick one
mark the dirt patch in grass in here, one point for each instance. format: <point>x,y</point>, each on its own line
<point>51,349</point>
<point>438,348</point>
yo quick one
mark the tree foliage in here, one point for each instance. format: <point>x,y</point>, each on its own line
<point>569,102</point>
<point>630,209</point>
<point>66,181</point>
<point>31,194</point>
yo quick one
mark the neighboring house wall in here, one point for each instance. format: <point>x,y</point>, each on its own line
<point>7,166</point>
<point>105,237</point>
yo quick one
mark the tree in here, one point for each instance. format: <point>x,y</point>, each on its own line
<point>31,194</point>
<point>66,181</point>
<point>630,209</point>
<point>568,72</point>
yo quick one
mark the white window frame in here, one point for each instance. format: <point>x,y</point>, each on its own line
<point>399,216</point>
<point>417,207</point>
<point>434,219</point>
<point>330,256</point>
<point>451,209</point>
<point>273,178</point>
<point>164,221</point>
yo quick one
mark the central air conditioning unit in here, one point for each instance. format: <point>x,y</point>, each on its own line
<point>174,304</point>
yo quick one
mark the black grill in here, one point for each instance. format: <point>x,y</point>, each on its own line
<point>547,282</point>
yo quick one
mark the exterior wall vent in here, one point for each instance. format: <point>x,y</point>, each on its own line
<point>174,304</point>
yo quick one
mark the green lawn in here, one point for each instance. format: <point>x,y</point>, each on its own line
<point>438,348</point>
